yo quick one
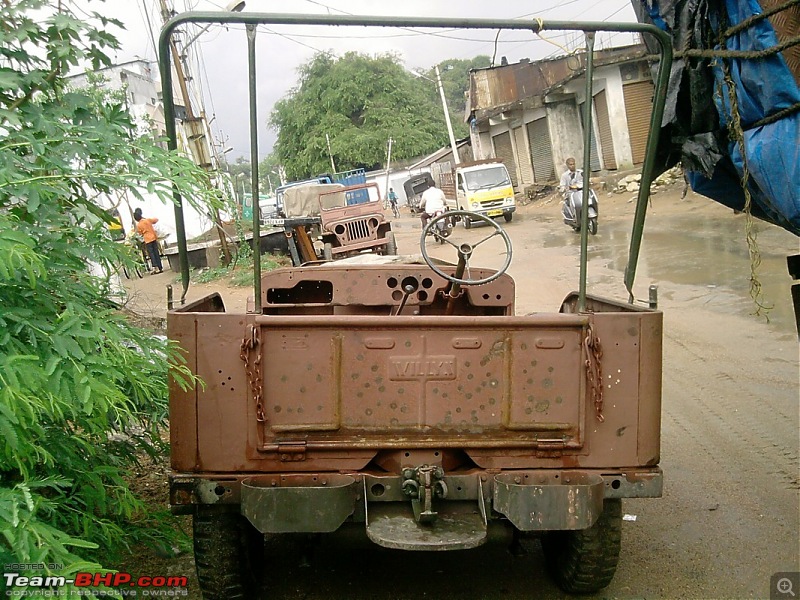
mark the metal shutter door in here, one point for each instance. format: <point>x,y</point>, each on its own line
<point>504,151</point>
<point>541,151</point>
<point>525,168</point>
<point>638,106</point>
<point>604,125</point>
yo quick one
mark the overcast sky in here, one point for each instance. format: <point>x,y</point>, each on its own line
<point>219,55</point>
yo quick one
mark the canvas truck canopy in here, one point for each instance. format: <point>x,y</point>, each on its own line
<point>303,200</point>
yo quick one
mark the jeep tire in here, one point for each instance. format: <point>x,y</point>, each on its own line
<point>228,552</point>
<point>584,561</point>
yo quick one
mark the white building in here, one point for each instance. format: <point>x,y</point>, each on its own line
<point>529,114</point>
<point>139,79</point>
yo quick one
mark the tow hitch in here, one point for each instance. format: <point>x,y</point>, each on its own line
<point>422,485</point>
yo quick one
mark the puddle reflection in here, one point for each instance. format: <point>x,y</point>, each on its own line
<point>705,253</point>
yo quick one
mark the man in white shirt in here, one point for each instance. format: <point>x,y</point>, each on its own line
<point>433,201</point>
<point>571,179</point>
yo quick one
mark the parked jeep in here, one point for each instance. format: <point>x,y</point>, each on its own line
<point>353,221</point>
<point>405,394</point>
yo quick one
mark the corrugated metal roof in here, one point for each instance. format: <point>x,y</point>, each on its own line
<point>523,84</point>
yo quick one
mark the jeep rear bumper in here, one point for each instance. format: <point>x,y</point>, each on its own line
<point>531,500</point>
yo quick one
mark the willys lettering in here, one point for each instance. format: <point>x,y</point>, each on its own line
<point>429,368</point>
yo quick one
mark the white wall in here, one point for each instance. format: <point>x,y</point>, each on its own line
<point>534,113</point>
<point>563,121</point>
<point>195,222</point>
<point>617,118</point>
<point>396,181</point>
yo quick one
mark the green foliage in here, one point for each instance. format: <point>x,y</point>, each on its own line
<point>83,394</point>
<point>240,175</point>
<point>359,102</point>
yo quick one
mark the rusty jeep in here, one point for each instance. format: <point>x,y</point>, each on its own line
<point>405,395</point>
<point>352,221</point>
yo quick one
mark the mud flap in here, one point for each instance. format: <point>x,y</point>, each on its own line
<point>542,501</point>
<point>286,504</point>
<point>460,525</point>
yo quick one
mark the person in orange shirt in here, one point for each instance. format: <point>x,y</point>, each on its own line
<point>148,233</point>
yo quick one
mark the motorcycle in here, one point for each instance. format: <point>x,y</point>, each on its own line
<point>571,209</point>
<point>442,228</point>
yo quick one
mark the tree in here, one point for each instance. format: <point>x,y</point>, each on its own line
<point>268,173</point>
<point>359,102</point>
<point>240,172</point>
<point>82,391</point>
<point>455,82</point>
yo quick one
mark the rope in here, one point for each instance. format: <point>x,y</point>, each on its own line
<point>777,116</point>
<point>567,51</point>
<point>751,234</point>
<point>755,18</point>
<point>719,53</point>
<point>746,54</point>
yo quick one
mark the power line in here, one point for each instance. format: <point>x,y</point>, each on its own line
<point>143,10</point>
<point>329,8</point>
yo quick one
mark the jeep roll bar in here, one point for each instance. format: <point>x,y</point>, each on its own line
<point>252,20</point>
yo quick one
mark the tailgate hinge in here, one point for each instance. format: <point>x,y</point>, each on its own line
<point>293,451</point>
<point>550,447</point>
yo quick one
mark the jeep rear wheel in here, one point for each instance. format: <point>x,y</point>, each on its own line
<point>584,561</point>
<point>226,550</point>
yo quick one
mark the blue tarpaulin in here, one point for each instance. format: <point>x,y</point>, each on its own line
<point>698,112</point>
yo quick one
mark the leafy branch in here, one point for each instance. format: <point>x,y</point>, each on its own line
<point>83,392</point>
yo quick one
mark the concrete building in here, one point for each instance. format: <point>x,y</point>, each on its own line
<point>141,83</point>
<point>528,114</point>
<point>139,79</point>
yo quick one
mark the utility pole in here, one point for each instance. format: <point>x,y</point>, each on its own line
<point>388,162</point>
<point>195,131</point>
<point>447,116</point>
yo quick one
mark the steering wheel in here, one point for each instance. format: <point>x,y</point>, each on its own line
<point>465,250</point>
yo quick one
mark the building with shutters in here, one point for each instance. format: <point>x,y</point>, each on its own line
<point>529,114</point>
